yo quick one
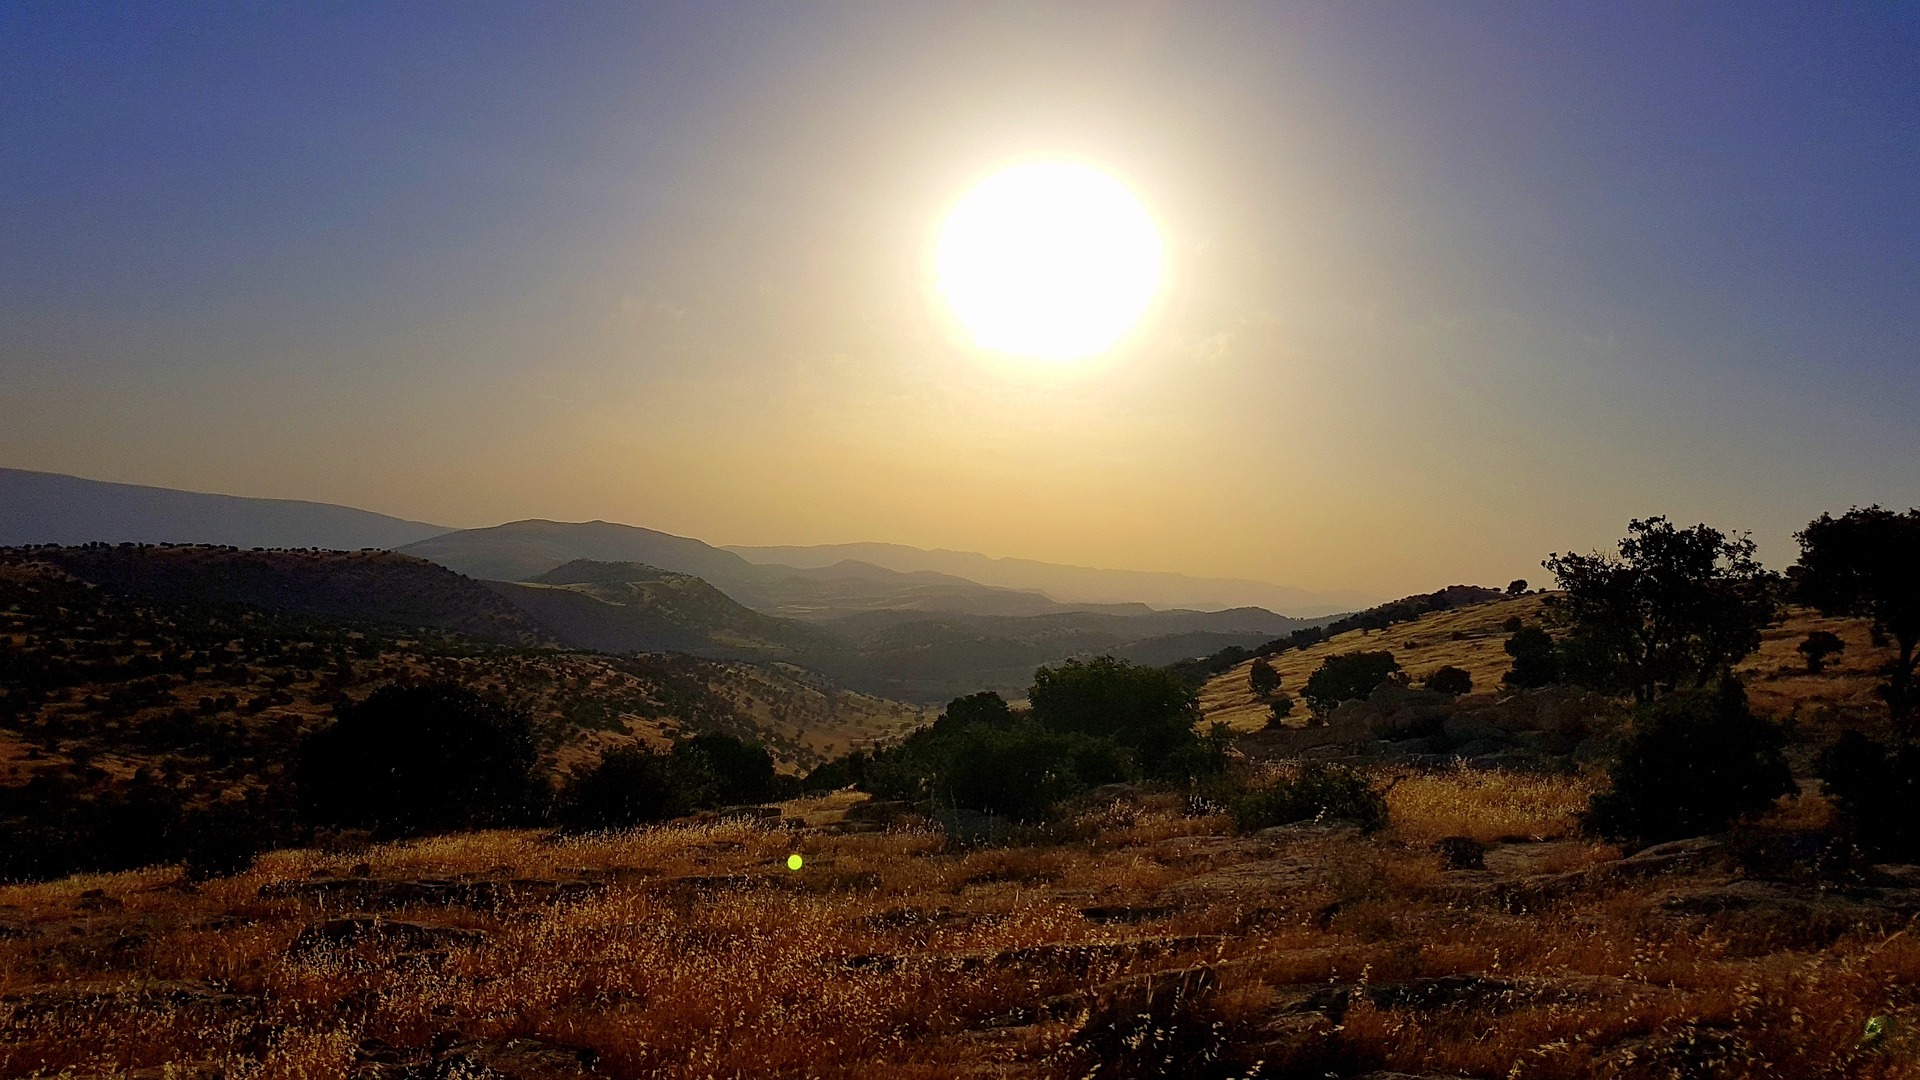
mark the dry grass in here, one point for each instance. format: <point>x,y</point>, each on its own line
<point>697,953</point>
<point>1474,639</point>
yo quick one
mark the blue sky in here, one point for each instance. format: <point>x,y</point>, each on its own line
<point>1451,285</point>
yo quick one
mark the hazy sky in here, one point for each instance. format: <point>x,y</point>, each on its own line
<point>1450,286</point>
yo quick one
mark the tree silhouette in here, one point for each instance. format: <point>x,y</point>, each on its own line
<point>1867,563</point>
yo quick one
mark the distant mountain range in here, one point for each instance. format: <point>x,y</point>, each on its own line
<point>50,508</point>
<point>1071,584</point>
<point>899,622</point>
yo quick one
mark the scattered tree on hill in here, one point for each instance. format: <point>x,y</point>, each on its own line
<point>1450,680</point>
<point>1676,610</point>
<point>1867,563</point>
<point>1281,707</point>
<point>1693,762</point>
<point>1535,661</point>
<point>1876,789</point>
<point>1346,676</point>
<point>1819,645</point>
<point>1262,678</point>
<point>1517,587</point>
<point>419,758</point>
<point>1147,710</point>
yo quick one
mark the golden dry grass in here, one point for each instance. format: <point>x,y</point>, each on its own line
<point>1474,639</point>
<point>697,953</point>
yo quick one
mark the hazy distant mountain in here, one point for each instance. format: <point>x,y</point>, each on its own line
<point>50,508</point>
<point>628,607</point>
<point>523,550</point>
<point>1072,584</point>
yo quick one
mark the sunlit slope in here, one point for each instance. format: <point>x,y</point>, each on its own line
<point>1475,638</point>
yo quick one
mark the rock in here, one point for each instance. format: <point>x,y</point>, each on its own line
<point>386,934</point>
<point>1125,913</point>
<point>1766,916</point>
<point>1461,853</point>
<point>1470,728</point>
<point>515,1059</point>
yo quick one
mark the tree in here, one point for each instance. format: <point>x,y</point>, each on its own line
<point>1535,662</point>
<point>1281,707</point>
<point>1450,680</point>
<point>1517,587</point>
<point>1694,762</point>
<point>630,786</point>
<point>1261,677</point>
<point>1876,789</point>
<point>1819,645</point>
<point>1676,610</point>
<point>414,758</point>
<point>1147,710</point>
<point>1346,676</point>
<point>725,771</point>
<point>1867,563</point>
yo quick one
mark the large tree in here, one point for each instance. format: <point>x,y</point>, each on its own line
<point>1676,609</point>
<point>1867,563</point>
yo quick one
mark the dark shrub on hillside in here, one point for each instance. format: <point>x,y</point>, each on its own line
<point>1347,676</point>
<point>1450,680</point>
<point>1281,707</point>
<point>1023,772</point>
<point>631,786</point>
<point>731,771</point>
<point>1535,661</point>
<point>1261,678</point>
<point>1693,763</point>
<point>1876,789</point>
<point>1819,645</point>
<point>1317,792</point>
<point>418,758</point>
<point>1149,711</point>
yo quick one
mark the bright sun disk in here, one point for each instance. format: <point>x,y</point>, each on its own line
<point>1051,260</point>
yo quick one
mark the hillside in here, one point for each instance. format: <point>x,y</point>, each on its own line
<point>1474,638</point>
<point>50,508</point>
<point>628,607</point>
<point>360,586</point>
<point>1071,584</point>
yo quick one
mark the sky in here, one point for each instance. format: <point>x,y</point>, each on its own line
<point>1448,287</point>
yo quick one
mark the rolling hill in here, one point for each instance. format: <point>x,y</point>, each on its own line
<point>630,607</point>
<point>50,508</point>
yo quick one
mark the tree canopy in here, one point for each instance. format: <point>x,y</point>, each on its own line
<point>1867,563</point>
<point>1676,609</point>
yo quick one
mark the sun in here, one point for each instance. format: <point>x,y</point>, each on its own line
<point>1052,260</point>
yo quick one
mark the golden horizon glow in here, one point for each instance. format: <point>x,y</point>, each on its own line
<point>1050,260</point>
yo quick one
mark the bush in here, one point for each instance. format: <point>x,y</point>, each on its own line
<point>1261,678</point>
<point>1281,707</point>
<point>729,771</point>
<point>1023,772</point>
<point>1450,680</point>
<point>1317,792</point>
<point>1819,645</point>
<point>1535,662</point>
<point>1346,676</point>
<point>1876,789</point>
<point>1693,763</point>
<point>630,786</point>
<point>418,758</point>
<point>1149,711</point>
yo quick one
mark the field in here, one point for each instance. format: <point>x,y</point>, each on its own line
<point>1473,638</point>
<point>1143,939</point>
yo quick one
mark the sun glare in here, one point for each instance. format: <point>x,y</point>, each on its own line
<point>1051,260</point>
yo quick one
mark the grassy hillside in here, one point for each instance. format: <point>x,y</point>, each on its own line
<point>1144,940</point>
<point>1473,638</point>
<point>628,607</point>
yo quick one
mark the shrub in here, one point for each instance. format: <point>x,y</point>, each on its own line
<point>1346,676</point>
<point>630,786</point>
<point>1316,792</point>
<point>1517,587</point>
<point>1535,662</point>
<point>1149,711</point>
<point>419,758</point>
<point>1023,772</point>
<point>1261,678</point>
<point>730,771</point>
<point>1693,763</point>
<point>1875,787</point>
<point>1819,645</point>
<point>1281,707</point>
<point>1450,680</point>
